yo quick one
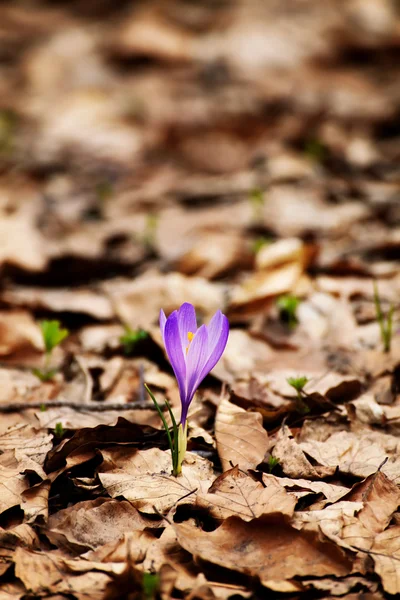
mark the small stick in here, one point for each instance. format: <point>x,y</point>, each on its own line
<point>89,407</point>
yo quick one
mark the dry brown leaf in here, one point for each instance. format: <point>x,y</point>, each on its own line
<point>293,460</point>
<point>93,523</point>
<point>19,333</point>
<point>35,502</point>
<point>381,498</point>
<point>300,488</point>
<point>360,454</point>
<point>132,546</point>
<point>165,553</point>
<point>267,285</point>
<point>241,438</point>
<point>386,556</point>
<point>236,494</point>
<point>244,354</point>
<point>213,254</point>
<point>83,301</point>
<point>144,478</point>
<point>263,548</point>
<point>12,484</point>
<point>43,572</point>
<point>138,302</point>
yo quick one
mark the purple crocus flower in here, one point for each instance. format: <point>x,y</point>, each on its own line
<point>193,352</point>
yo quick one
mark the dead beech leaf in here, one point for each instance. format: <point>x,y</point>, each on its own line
<point>19,332</point>
<point>338,522</point>
<point>131,546</point>
<point>243,355</point>
<point>386,556</point>
<point>44,571</point>
<point>137,302</point>
<point>93,523</point>
<point>360,453</point>
<point>381,498</point>
<point>166,553</point>
<point>236,494</point>
<point>28,445</point>
<point>267,284</point>
<point>263,548</point>
<point>241,438</point>
<point>12,484</point>
<point>35,502</point>
<point>293,460</point>
<point>81,301</point>
<point>144,478</point>
<point>213,254</point>
<point>300,488</point>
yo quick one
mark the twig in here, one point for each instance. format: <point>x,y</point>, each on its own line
<point>89,407</point>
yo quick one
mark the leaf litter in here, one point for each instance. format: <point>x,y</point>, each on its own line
<point>241,157</point>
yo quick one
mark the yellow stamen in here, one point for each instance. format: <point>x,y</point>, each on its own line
<point>190,337</point>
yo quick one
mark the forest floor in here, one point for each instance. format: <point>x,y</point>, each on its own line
<point>242,156</point>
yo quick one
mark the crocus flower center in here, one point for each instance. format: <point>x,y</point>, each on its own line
<point>190,336</point>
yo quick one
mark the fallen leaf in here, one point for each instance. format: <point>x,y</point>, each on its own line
<point>236,494</point>
<point>293,460</point>
<point>263,548</point>
<point>386,556</point>
<point>241,438</point>
<point>94,523</point>
<point>144,478</point>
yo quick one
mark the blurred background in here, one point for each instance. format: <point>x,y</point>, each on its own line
<point>149,150</point>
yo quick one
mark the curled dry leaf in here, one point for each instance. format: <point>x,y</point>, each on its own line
<point>144,478</point>
<point>35,502</point>
<point>386,556</point>
<point>213,254</point>
<point>299,488</point>
<point>87,302</point>
<point>164,554</point>
<point>241,438</point>
<point>40,572</point>
<point>243,355</point>
<point>12,484</point>
<point>293,460</point>
<point>28,446</point>
<point>265,548</point>
<point>236,494</point>
<point>359,454</point>
<point>19,333</point>
<point>93,523</point>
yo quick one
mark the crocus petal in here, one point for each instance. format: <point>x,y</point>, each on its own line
<point>187,323</point>
<point>195,361</point>
<point>219,334</point>
<point>174,350</point>
<point>163,320</point>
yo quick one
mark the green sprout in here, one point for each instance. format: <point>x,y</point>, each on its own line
<point>272,462</point>
<point>298,383</point>
<point>104,191</point>
<point>385,321</point>
<point>131,337</point>
<point>150,584</point>
<point>52,335</point>
<point>43,407</point>
<point>150,230</point>
<point>8,125</point>
<point>59,430</point>
<point>287,306</point>
<point>259,243</point>
<point>256,199</point>
<point>173,441</point>
<point>315,150</point>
